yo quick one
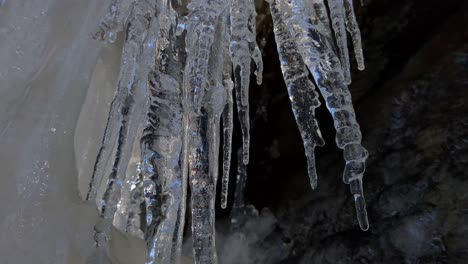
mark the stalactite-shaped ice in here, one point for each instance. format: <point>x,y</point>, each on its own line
<point>108,30</point>
<point>320,58</point>
<point>203,173</point>
<point>304,98</point>
<point>163,130</point>
<point>125,120</point>
<point>227,118</point>
<point>165,185</point>
<point>128,209</point>
<point>244,49</point>
<point>164,182</point>
<point>200,27</point>
<point>203,104</point>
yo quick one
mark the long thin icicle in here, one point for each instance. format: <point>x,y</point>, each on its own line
<point>219,87</point>
<point>244,49</point>
<point>227,117</point>
<point>304,98</point>
<point>227,143</point>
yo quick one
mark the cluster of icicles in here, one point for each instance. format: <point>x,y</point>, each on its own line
<point>180,64</point>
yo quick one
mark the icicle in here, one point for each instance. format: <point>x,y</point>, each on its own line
<point>353,29</point>
<point>243,45</point>
<point>243,49</point>
<point>227,118</point>
<point>337,14</point>
<point>110,26</point>
<point>164,146</point>
<point>164,141</point>
<point>202,117</point>
<point>144,168</point>
<point>199,40</point>
<point>326,69</point>
<point>227,140</point>
<point>126,114</point>
<point>128,210</point>
<point>180,55</point>
<point>304,98</point>
<point>205,142</point>
<point>217,92</point>
<point>244,118</point>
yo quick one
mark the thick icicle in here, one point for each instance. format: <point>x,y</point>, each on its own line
<point>165,184</point>
<point>127,113</point>
<point>200,27</point>
<point>164,181</point>
<point>203,160</point>
<point>243,45</point>
<point>204,135</point>
<point>337,14</point>
<point>304,98</point>
<point>353,29</point>
<point>127,218</point>
<point>110,26</point>
<point>244,49</point>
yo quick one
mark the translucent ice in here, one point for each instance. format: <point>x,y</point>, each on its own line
<point>183,66</point>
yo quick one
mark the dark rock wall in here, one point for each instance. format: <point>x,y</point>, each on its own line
<point>412,104</point>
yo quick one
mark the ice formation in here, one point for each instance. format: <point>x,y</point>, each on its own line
<point>181,62</point>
